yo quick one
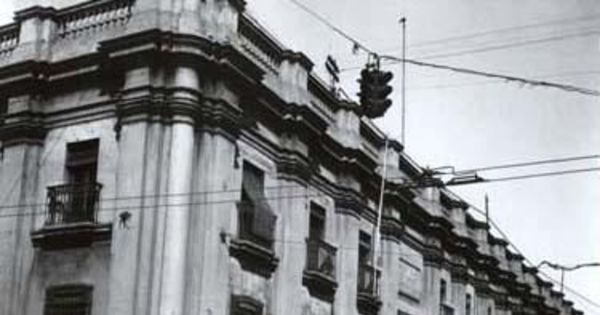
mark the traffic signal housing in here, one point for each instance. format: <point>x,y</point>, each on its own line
<point>374,91</point>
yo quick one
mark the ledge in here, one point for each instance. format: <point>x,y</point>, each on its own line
<point>368,304</point>
<point>253,257</point>
<point>75,235</point>
<point>244,304</point>
<point>319,285</point>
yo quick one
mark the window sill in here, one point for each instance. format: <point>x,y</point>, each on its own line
<point>367,303</point>
<point>253,257</point>
<point>319,285</point>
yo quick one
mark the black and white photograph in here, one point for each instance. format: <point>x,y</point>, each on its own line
<point>299,157</point>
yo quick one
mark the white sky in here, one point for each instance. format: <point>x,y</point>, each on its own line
<point>475,124</point>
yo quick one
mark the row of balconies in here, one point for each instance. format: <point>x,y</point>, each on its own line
<point>72,221</point>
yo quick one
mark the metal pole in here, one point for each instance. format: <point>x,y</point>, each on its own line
<point>562,279</point>
<point>379,211</point>
<point>487,210</point>
<point>403,88</point>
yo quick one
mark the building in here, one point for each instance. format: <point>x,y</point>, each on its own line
<point>170,157</point>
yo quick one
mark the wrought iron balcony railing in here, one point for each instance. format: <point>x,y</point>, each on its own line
<point>320,258</point>
<point>250,230</point>
<point>368,279</point>
<point>73,203</point>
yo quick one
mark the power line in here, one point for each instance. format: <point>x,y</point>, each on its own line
<point>357,44</point>
<point>503,30</point>
<point>171,206</point>
<point>564,87</point>
<point>159,195</point>
<point>331,26</point>
<point>525,164</point>
<point>236,200</point>
<point>168,205</point>
<point>505,237</point>
<point>281,187</point>
<point>231,191</point>
<point>536,175</point>
<point>485,82</point>
<point>495,45</point>
<point>511,45</point>
<point>480,180</point>
<point>144,198</point>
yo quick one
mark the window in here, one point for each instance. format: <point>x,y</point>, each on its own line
<point>468,304</point>
<point>489,310</point>
<point>3,109</point>
<point>364,248</point>
<point>367,274</point>
<point>319,275</point>
<point>316,228</point>
<point>3,105</point>
<point>76,201</point>
<point>257,220</point>
<point>443,291</point>
<point>82,161</point>
<point>68,300</point>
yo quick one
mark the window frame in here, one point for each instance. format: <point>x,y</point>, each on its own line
<point>80,294</point>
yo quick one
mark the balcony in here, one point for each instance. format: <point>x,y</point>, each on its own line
<point>319,274</point>
<point>253,246</point>
<point>367,298</point>
<point>71,218</point>
<point>446,310</point>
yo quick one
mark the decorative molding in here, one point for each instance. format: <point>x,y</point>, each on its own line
<point>245,305</point>
<point>74,235</point>
<point>253,257</point>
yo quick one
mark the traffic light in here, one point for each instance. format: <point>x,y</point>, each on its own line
<point>374,91</point>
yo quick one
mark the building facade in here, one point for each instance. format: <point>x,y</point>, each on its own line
<point>171,157</point>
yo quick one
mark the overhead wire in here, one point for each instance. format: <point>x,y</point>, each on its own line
<point>500,45</point>
<point>518,251</point>
<point>414,62</point>
<point>510,45</point>
<point>282,187</point>
<point>487,82</point>
<point>537,175</point>
<point>526,164</point>
<point>169,207</point>
<point>510,78</point>
<point>503,30</point>
<point>357,44</point>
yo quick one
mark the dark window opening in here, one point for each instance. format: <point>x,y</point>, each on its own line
<point>68,300</point>
<point>82,161</point>
<point>468,304</point>
<point>257,219</point>
<point>364,248</point>
<point>320,255</point>
<point>443,291</point>
<point>3,108</point>
<point>316,229</point>
<point>367,274</point>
